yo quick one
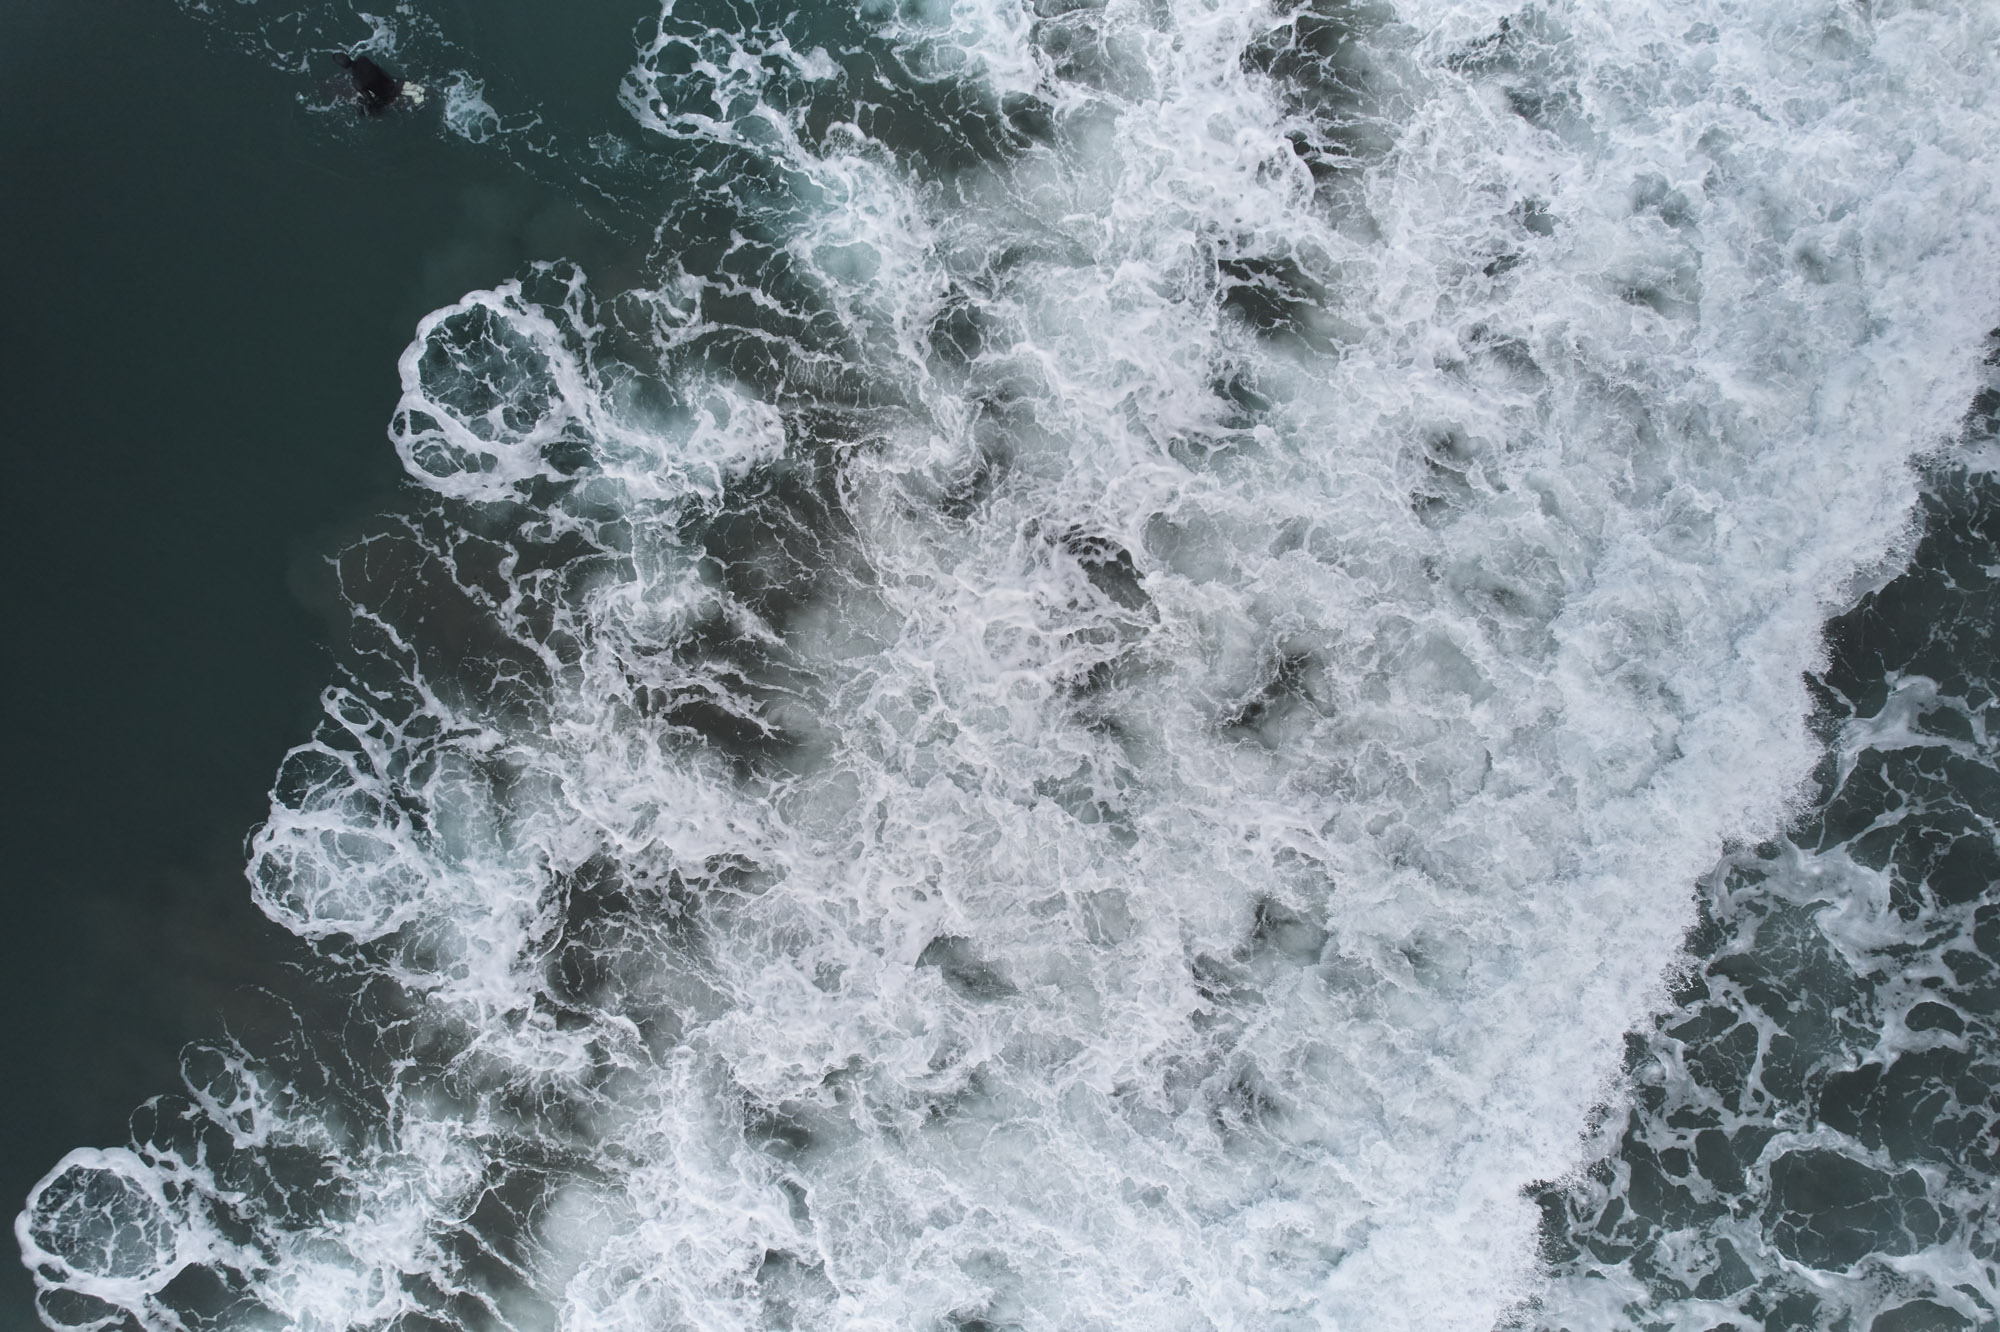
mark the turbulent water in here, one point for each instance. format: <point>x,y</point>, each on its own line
<point>1096,689</point>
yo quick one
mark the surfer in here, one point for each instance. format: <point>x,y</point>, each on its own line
<point>372,83</point>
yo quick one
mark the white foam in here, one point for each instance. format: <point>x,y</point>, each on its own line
<point>467,113</point>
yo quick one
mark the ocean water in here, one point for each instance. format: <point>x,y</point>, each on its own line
<point>1140,665</point>
<point>199,349</point>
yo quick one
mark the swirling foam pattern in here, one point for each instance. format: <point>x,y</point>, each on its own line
<point>1097,704</point>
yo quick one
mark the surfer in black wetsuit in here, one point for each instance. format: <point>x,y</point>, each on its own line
<point>371,83</point>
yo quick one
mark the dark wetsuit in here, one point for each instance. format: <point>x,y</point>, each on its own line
<point>372,83</point>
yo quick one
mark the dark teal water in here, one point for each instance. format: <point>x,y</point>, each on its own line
<point>207,290</point>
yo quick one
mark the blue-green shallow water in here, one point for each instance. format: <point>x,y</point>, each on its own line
<point>206,294</point>
<point>974,729</point>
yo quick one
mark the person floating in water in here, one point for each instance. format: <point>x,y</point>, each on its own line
<point>371,83</point>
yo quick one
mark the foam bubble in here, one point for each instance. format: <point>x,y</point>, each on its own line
<point>467,113</point>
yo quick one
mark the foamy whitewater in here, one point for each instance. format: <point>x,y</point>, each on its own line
<point>1098,699</point>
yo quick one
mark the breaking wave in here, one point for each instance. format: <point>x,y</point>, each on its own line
<point>1098,703</point>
